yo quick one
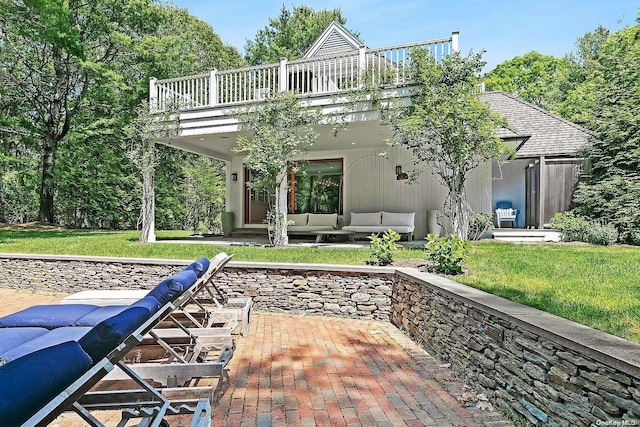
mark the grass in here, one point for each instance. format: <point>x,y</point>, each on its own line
<point>597,286</point>
<point>593,285</point>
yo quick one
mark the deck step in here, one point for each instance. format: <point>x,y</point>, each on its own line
<point>526,235</point>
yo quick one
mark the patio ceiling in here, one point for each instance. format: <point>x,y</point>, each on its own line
<point>357,135</point>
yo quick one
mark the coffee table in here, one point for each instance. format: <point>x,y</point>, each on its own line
<point>320,235</point>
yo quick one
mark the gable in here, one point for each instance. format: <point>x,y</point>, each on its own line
<point>335,39</point>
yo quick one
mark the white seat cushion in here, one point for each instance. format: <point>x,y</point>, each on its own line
<point>367,219</point>
<point>307,229</point>
<point>316,220</point>
<point>397,218</point>
<point>298,219</point>
<point>378,228</point>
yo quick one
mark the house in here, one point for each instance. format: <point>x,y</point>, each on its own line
<point>345,172</point>
<point>541,180</point>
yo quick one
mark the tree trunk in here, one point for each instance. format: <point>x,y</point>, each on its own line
<point>280,231</point>
<point>49,149</point>
<point>459,210</point>
<point>148,206</point>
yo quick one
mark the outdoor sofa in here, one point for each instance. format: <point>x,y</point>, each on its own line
<point>379,222</point>
<point>309,223</point>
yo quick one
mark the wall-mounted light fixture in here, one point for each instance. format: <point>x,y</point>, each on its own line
<point>234,176</point>
<point>401,175</point>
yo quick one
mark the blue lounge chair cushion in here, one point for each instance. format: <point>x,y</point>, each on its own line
<point>47,316</point>
<point>150,304</point>
<point>49,339</point>
<point>186,278</point>
<point>199,266</point>
<point>27,384</point>
<point>110,333</point>
<point>171,288</point>
<point>13,337</point>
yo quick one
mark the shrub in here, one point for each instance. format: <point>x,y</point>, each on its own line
<point>479,224</point>
<point>447,253</point>
<point>615,200</point>
<point>382,248</point>
<point>573,227</point>
<point>579,229</point>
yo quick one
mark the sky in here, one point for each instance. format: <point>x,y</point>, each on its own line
<point>503,28</point>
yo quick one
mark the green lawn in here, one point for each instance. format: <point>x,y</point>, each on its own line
<point>594,285</point>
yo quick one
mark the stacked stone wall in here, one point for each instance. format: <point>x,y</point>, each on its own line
<point>548,370</point>
<point>545,379</point>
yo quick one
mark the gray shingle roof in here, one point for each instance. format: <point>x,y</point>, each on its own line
<point>549,135</point>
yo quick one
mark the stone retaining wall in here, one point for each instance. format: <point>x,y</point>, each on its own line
<point>355,293</point>
<point>547,369</point>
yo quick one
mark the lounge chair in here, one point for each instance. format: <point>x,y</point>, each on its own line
<point>203,306</point>
<point>35,330</point>
<point>38,386</point>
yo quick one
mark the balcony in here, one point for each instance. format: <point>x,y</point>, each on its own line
<point>327,75</point>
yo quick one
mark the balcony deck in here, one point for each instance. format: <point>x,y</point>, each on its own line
<point>325,75</point>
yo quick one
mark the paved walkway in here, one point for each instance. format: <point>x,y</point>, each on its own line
<point>321,371</point>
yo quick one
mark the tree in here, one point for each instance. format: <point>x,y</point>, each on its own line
<point>282,132</point>
<point>448,128</point>
<point>533,77</point>
<point>289,35</point>
<point>53,52</point>
<point>611,191</point>
<point>142,133</point>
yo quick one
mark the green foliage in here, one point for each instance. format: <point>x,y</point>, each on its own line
<point>289,35</point>
<point>479,224</point>
<point>383,247</point>
<point>282,131</point>
<point>611,191</point>
<point>580,229</point>
<point>615,201</point>
<point>448,128</point>
<point>203,193</point>
<point>447,253</point>
<point>533,77</point>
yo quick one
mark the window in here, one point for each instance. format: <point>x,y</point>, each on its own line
<point>315,187</point>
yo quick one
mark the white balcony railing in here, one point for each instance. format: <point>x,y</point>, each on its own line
<point>388,66</point>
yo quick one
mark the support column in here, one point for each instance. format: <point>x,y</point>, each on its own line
<point>542,192</point>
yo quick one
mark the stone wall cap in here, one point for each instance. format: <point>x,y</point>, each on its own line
<point>89,258</point>
<point>313,267</point>
<point>606,348</point>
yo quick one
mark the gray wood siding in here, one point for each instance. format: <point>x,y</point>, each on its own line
<point>334,44</point>
<point>370,185</point>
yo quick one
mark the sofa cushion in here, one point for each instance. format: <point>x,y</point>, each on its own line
<point>373,218</point>
<point>298,219</point>
<point>378,228</point>
<point>319,220</point>
<point>397,218</point>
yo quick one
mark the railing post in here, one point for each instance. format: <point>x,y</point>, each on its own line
<point>153,99</point>
<point>213,87</point>
<point>283,81</point>
<point>454,41</point>
<point>362,64</point>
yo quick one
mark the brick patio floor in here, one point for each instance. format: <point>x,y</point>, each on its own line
<point>308,371</point>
